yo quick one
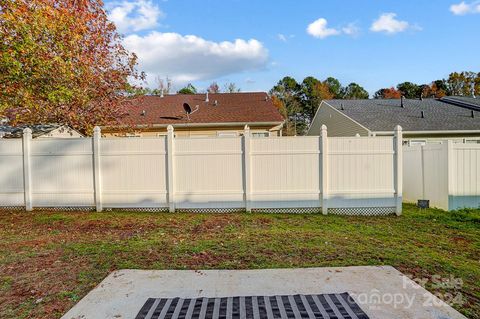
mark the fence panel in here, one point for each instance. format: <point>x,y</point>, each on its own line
<point>11,173</point>
<point>134,172</point>
<point>447,174</point>
<point>361,172</point>
<point>285,172</point>
<point>208,173</point>
<point>464,187</point>
<point>62,171</point>
<point>203,173</point>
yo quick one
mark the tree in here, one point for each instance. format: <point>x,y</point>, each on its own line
<point>213,88</point>
<point>463,83</point>
<point>313,92</point>
<point>390,93</point>
<point>410,90</point>
<point>334,87</point>
<point>436,89</point>
<point>62,62</point>
<point>285,96</point>
<point>189,89</point>
<point>231,88</point>
<point>355,91</point>
<point>163,86</point>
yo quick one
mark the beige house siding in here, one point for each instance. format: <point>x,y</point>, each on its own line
<point>338,124</point>
<point>194,131</point>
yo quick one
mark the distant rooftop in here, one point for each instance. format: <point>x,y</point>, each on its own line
<point>37,130</point>
<point>220,108</point>
<point>384,114</point>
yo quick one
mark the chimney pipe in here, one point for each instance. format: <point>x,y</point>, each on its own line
<point>423,114</point>
<point>402,98</point>
<point>473,114</point>
<point>161,92</point>
<point>206,98</point>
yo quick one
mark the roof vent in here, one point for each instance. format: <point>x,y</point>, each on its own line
<point>144,113</point>
<point>341,107</point>
<point>421,97</point>
<point>266,98</point>
<point>473,114</point>
<point>215,103</point>
<point>423,114</point>
<point>402,100</point>
<point>206,97</point>
<point>161,92</point>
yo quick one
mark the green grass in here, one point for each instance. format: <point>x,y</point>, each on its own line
<point>49,260</point>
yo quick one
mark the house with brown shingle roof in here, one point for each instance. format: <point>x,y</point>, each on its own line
<point>219,114</point>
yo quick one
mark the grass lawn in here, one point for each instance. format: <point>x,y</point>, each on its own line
<point>49,260</point>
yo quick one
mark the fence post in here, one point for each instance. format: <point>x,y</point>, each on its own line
<point>247,171</point>
<point>398,178</point>
<point>324,173</point>
<point>27,169</point>
<point>97,173</point>
<point>170,168</point>
<point>450,170</point>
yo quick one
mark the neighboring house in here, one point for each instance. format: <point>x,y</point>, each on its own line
<point>423,120</point>
<point>39,131</point>
<point>221,114</point>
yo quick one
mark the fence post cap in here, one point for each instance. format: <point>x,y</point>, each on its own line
<point>27,130</point>
<point>246,127</point>
<point>398,128</point>
<point>324,127</point>
<point>170,128</point>
<point>97,129</point>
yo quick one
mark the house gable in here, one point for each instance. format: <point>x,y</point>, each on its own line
<point>338,124</point>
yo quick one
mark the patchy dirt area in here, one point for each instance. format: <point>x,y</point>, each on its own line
<point>49,259</point>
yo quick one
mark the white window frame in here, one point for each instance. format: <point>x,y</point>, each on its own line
<point>260,134</point>
<point>227,133</point>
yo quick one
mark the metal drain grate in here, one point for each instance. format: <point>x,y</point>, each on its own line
<point>332,306</point>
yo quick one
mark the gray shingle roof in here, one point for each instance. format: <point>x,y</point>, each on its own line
<point>37,130</point>
<point>384,115</point>
<point>465,101</point>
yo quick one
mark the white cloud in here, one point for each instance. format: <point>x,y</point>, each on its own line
<point>319,29</point>
<point>284,38</point>
<point>464,8</point>
<point>134,15</point>
<point>388,23</point>
<point>351,29</point>
<point>191,58</point>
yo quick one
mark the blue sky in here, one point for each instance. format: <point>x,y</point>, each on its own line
<point>255,43</point>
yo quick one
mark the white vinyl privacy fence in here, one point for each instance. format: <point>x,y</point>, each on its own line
<point>447,174</point>
<point>356,175</point>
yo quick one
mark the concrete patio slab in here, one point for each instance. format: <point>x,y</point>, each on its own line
<point>382,292</point>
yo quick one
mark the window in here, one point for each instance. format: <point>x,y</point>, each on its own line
<point>472,141</point>
<point>132,135</point>
<point>227,134</point>
<point>417,142</point>
<point>260,134</point>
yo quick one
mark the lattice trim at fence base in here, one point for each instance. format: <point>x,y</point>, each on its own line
<point>211,210</point>
<point>363,211</point>
<point>138,209</point>
<point>12,207</point>
<point>66,208</point>
<point>290,210</point>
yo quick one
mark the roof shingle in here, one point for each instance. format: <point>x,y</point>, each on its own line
<point>384,115</point>
<point>230,108</point>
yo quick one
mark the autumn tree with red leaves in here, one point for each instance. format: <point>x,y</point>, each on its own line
<point>62,61</point>
<point>391,93</point>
